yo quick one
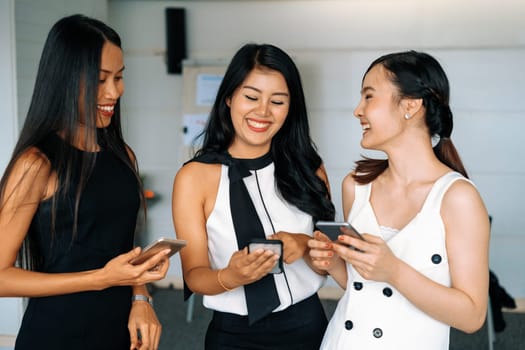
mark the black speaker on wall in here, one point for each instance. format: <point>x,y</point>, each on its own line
<point>175,39</point>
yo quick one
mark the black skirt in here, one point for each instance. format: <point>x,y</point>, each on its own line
<point>300,326</point>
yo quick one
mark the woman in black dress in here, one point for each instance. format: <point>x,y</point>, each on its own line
<point>69,202</point>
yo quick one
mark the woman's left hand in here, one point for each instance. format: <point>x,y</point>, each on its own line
<point>143,320</point>
<point>295,245</point>
<point>373,260</point>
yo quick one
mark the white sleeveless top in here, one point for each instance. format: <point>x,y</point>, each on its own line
<point>222,242</point>
<point>374,315</point>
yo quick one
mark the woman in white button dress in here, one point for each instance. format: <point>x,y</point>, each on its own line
<point>423,266</point>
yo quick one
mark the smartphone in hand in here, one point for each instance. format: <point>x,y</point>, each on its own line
<point>159,245</point>
<point>333,229</point>
<point>274,245</point>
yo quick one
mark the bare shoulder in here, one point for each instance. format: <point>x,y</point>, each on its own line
<point>30,176</point>
<point>462,205</point>
<point>31,163</point>
<point>348,185</point>
<point>321,173</point>
<point>196,177</point>
<point>196,172</point>
<point>348,193</point>
<point>195,189</point>
<point>461,194</point>
<point>131,154</point>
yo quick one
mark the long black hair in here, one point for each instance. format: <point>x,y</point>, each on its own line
<point>64,97</point>
<point>293,151</point>
<point>418,75</point>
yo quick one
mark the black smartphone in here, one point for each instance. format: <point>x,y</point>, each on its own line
<point>159,245</point>
<point>274,245</point>
<point>333,229</point>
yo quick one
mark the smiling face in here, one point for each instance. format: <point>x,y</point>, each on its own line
<point>111,83</point>
<point>258,109</point>
<point>379,110</point>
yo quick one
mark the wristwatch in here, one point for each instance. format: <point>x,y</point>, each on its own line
<point>141,297</point>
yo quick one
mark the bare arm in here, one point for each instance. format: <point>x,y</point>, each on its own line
<point>194,193</point>
<point>322,249</point>
<point>189,219</point>
<point>321,173</point>
<point>464,304</point>
<point>31,181</point>
<point>340,274</point>
<point>143,320</point>
<point>142,316</point>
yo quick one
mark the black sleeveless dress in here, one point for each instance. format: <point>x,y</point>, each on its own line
<point>106,223</point>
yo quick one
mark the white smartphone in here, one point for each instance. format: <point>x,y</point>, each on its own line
<point>333,229</point>
<point>274,245</point>
<point>159,245</point>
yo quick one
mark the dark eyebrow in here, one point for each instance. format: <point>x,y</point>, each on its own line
<point>109,72</point>
<point>367,88</point>
<point>259,91</point>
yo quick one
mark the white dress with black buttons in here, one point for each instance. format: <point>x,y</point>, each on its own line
<point>374,315</point>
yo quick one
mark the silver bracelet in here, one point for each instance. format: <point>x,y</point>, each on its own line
<point>141,297</point>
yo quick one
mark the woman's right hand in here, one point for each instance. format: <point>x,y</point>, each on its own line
<point>120,272</point>
<point>245,268</point>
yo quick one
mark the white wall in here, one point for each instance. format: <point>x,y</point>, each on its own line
<point>34,19</point>
<point>481,44</point>
<point>7,82</point>
<point>10,307</point>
